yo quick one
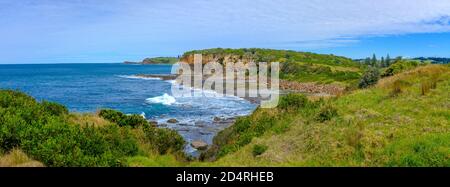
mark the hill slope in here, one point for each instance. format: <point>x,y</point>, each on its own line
<point>296,66</point>
<point>403,121</point>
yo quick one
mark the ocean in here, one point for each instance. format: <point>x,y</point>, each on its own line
<point>89,87</point>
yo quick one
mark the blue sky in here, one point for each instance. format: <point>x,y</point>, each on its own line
<point>97,31</point>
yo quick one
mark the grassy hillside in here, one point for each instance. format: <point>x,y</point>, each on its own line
<point>296,66</point>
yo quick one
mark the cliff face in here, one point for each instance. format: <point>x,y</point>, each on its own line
<point>220,58</point>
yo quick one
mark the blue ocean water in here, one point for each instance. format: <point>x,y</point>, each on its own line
<point>89,87</point>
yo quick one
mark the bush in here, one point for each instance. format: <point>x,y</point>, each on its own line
<point>326,113</point>
<point>43,133</point>
<point>293,101</point>
<point>259,149</point>
<point>55,108</point>
<point>370,77</point>
<point>399,66</point>
<point>59,145</point>
<point>122,119</point>
<point>164,140</point>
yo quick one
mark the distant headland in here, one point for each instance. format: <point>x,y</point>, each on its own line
<point>156,60</point>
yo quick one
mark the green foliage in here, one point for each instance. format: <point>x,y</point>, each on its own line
<point>399,66</point>
<point>369,78</point>
<point>424,151</point>
<point>326,113</point>
<point>259,149</point>
<point>296,66</point>
<point>262,121</point>
<point>164,140</point>
<point>293,101</point>
<point>58,145</point>
<point>44,134</point>
<point>315,73</point>
<point>271,55</point>
<point>160,60</point>
<point>55,108</point>
<point>121,119</point>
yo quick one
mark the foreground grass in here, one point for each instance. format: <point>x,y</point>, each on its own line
<point>17,158</point>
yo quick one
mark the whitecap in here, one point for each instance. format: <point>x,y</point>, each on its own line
<point>138,77</point>
<point>165,99</point>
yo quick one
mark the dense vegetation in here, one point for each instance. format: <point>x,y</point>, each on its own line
<point>48,133</point>
<point>271,55</point>
<point>121,119</point>
<point>296,66</point>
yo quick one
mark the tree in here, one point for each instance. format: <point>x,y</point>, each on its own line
<point>369,78</point>
<point>374,60</point>
<point>398,59</point>
<point>388,60</point>
<point>367,61</point>
<point>382,64</point>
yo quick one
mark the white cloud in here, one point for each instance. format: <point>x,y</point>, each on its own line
<point>49,27</point>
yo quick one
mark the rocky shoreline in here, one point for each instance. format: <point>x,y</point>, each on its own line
<point>204,129</point>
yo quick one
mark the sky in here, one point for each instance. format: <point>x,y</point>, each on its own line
<point>98,31</point>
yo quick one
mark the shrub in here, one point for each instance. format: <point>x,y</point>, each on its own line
<point>43,133</point>
<point>164,140</point>
<point>293,101</point>
<point>55,108</point>
<point>122,119</point>
<point>399,66</point>
<point>259,149</point>
<point>369,78</point>
<point>326,113</point>
<point>59,145</point>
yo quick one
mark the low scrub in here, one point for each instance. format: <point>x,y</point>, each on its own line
<point>370,77</point>
<point>399,66</point>
<point>43,133</point>
<point>327,112</point>
<point>259,149</point>
<point>164,140</point>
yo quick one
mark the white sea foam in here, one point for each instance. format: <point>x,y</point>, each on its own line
<point>138,77</point>
<point>165,99</point>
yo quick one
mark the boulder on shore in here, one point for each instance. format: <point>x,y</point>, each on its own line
<point>199,145</point>
<point>172,121</point>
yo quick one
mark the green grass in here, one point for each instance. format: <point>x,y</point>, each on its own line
<point>371,128</point>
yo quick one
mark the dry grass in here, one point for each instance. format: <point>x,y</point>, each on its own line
<point>17,158</point>
<point>434,71</point>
